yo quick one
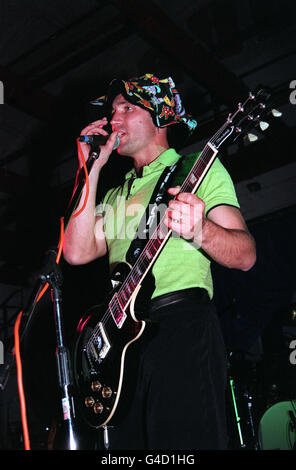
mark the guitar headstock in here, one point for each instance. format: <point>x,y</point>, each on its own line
<point>251,114</point>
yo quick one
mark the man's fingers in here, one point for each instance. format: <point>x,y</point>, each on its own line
<point>188,198</point>
<point>95,127</point>
<point>111,141</point>
<point>174,191</point>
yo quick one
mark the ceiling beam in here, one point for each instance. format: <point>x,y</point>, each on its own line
<point>24,78</point>
<point>18,93</point>
<point>199,63</point>
<point>71,48</point>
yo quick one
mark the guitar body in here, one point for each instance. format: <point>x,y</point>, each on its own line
<point>99,357</point>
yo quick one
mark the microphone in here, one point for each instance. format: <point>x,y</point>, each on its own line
<point>97,140</point>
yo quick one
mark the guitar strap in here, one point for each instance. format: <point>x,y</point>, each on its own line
<point>153,213</point>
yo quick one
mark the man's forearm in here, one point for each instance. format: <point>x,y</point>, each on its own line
<point>232,248</point>
<point>84,236</point>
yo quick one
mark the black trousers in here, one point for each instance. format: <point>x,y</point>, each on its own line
<point>174,389</point>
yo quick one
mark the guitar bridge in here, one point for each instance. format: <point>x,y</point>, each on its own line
<point>99,346</point>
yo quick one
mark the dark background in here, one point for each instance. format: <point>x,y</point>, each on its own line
<point>54,58</point>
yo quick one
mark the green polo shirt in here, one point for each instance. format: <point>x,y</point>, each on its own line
<point>181,264</point>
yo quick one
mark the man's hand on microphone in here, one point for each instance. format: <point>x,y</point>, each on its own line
<point>96,128</point>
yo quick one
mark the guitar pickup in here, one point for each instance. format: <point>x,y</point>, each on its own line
<point>104,342</point>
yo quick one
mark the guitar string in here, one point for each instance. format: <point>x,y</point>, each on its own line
<point>185,186</point>
<point>132,277</point>
<point>201,163</point>
<point>142,260</point>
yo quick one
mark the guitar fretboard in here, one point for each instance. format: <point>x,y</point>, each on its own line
<point>162,233</point>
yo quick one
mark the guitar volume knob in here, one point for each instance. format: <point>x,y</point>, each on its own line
<point>98,408</point>
<point>89,402</point>
<point>106,392</point>
<point>96,386</point>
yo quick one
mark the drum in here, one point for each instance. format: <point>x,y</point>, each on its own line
<point>277,428</point>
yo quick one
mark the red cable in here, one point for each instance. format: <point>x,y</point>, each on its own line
<point>82,161</point>
<point>20,382</point>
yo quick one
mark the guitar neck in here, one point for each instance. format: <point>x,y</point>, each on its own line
<point>200,169</point>
<point>160,236</point>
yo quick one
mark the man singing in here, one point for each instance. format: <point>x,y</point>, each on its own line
<point>178,401</point>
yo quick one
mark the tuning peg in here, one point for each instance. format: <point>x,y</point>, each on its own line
<point>263,125</point>
<point>252,137</point>
<point>276,113</point>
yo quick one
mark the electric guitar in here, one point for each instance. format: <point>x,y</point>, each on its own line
<point>106,331</point>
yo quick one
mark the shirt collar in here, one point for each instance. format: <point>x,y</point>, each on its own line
<point>166,158</point>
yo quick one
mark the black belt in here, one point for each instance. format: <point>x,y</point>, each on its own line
<point>178,296</point>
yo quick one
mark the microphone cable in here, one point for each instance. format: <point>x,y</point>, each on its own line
<point>39,295</point>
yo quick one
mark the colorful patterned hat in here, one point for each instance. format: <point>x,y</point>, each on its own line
<point>159,96</point>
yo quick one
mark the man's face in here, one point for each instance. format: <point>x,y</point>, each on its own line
<point>134,127</point>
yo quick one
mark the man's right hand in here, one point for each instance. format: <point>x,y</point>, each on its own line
<point>97,128</point>
<point>84,236</point>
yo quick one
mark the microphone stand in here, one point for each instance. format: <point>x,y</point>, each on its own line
<point>51,273</point>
